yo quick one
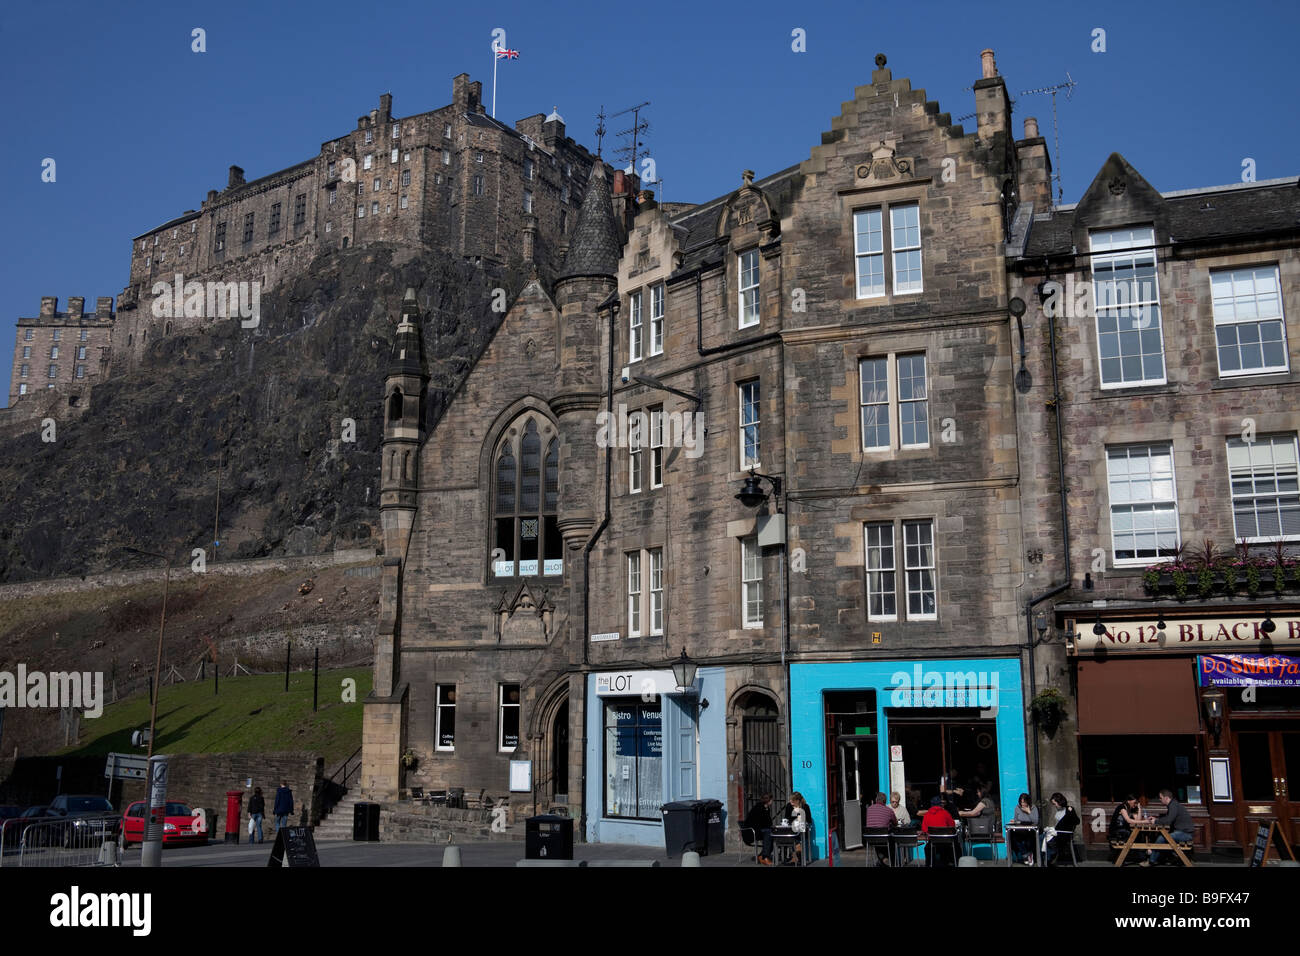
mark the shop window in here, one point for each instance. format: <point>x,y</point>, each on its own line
<point>525,500</point>
<point>633,759</point>
<point>1141,764</point>
<point>507,718</point>
<point>445,732</point>
<point>1265,488</point>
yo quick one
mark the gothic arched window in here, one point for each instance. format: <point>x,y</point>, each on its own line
<point>525,494</point>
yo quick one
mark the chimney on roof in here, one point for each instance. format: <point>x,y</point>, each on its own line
<point>386,106</point>
<point>1034,167</point>
<point>236,177</point>
<point>49,305</point>
<point>76,306</point>
<point>992,105</point>
<point>212,194</point>
<point>988,65</point>
<point>476,97</point>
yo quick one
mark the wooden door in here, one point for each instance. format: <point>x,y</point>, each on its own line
<point>1268,772</point>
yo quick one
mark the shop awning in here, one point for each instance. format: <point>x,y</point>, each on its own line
<point>1129,696</point>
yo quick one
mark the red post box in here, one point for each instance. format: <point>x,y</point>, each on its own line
<point>234,807</point>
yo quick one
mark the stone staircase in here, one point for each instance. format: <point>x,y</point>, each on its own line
<point>337,824</point>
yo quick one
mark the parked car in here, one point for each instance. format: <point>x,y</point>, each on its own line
<point>91,818</point>
<point>180,825</point>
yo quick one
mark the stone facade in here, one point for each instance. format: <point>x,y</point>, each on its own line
<point>84,347</point>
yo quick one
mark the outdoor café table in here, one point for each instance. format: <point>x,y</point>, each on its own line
<point>784,840</point>
<point>1027,828</point>
<point>1149,831</point>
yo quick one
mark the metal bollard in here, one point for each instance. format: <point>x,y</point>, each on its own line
<point>690,858</point>
<point>451,856</point>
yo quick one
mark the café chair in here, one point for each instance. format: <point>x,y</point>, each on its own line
<point>878,838</point>
<point>905,844</point>
<point>983,830</point>
<point>749,836</point>
<point>938,838</point>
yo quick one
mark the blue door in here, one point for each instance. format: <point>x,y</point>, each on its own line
<point>681,731</point>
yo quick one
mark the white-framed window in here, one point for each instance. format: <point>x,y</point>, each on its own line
<point>634,594</point>
<point>657,447</point>
<point>507,718</point>
<point>904,253</point>
<point>193,227</point>
<point>84,334</point>
<point>445,732</point>
<point>882,583</point>
<point>894,401</point>
<point>750,420</point>
<point>182,249</point>
<point>446,131</point>
<point>376,186</point>
<point>1249,328</point>
<point>81,371</point>
<point>54,351</point>
<point>528,169</point>
<point>81,352</point>
<point>148,260</point>
<point>634,453</point>
<point>1143,503</point>
<point>361,210</point>
<point>22,389</point>
<point>1126,297</point>
<point>368,161</point>
<point>528,200</point>
<point>331,194</point>
<point>406,156</point>
<point>27,335</point>
<point>397,130</point>
<point>392,157</point>
<point>478,157</point>
<point>656,556</point>
<point>657,319</point>
<point>54,371</point>
<point>1264,476</point>
<point>635,333</point>
<point>751,582</point>
<point>446,157</point>
<point>374,208</point>
<point>478,185</point>
<point>919,569</point>
<point>329,226</point>
<point>406,177</point>
<point>747,284</point>
<point>402,202</point>
<point>22,371</point>
<point>370,136</point>
<point>361,187</point>
<point>27,351</point>
<point>58,335</point>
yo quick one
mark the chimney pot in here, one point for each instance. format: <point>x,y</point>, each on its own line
<point>1031,127</point>
<point>989,67</point>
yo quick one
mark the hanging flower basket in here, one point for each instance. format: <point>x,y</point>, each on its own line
<point>410,760</point>
<point>1048,708</point>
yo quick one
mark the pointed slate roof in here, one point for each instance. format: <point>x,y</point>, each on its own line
<point>408,346</point>
<point>595,248</point>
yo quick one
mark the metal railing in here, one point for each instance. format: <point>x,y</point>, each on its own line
<point>58,841</point>
<point>335,786</point>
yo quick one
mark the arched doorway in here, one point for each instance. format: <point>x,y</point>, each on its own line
<point>559,788</point>
<point>762,758</point>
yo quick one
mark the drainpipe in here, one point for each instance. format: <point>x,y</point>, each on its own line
<point>586,571</point>
<point>1065,541</point>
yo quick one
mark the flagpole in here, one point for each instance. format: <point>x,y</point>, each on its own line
<point>494,81</point>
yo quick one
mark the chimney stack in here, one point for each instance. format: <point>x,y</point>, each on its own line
<point>49,305</point>
<point>992,105</point>
<point>988,65</point>
<point>236,177</point>
<point>386,106</point>
<point>1034,167</point>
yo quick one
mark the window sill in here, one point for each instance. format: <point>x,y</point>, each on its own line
<point>1254,380</point>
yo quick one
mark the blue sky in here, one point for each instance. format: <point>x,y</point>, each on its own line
<point>141,127</point>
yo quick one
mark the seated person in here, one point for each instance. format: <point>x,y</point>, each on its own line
<point>983,816</point>
<point>936,817</point>
<point>1060,832</point>
<point>881,817</point>
<point>900,811</point>
<point>760,821</point>
<point>1176,819</point>
<point>1126,816</point>
<point>1020,844</point>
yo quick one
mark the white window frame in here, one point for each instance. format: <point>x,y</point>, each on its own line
<point>893,403</point>
<point>905,247</point>
<point>1114,246</point>
<point>869,247</point>
<point>368,161</point>
<point>656,447</point>
<point>529,170</point>
<point>370,136</point>
<point>656,590</point>
<point>920,568</point>
<point>446,157</point>
<point>439,706</point>
<point>1157,504</point>
<point>27,351</point>
<point>528,200</point>
<point>635,327</point>
<point>634,591</point>
<point>746,463</point>
<point>881,550</point>
<point>376,186</point>
<point>397,131</point>
<point>402,202</point>
<point>22,389</point>
<point>392,156</point>
<point>1226,308</point>
<point>873,218</point>
<point>446,131</point>
<point>502,705</point>
<point>748,294</point>
<point>81,371</point>
<point>751,582</point>
<point>657,319</point>
<point>1269,472</point>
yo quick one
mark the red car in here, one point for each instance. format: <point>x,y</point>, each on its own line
<point>180,825</point>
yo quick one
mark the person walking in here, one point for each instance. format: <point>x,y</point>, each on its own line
<point>283,805</point>
<point>256,812</point>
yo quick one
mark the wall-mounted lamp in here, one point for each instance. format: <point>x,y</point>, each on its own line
<point>1212,701</point>
<point>684,670</point>
<point>1098,628</point>
<point>1269,626</point>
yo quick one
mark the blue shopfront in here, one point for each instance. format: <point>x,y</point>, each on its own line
<point>915,727</point>
<point>649,743</point>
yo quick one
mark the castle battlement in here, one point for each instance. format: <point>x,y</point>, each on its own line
<point>66,351</point>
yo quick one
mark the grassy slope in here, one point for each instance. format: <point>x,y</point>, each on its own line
<point>249,713</point>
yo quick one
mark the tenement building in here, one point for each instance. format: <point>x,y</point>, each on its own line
<point>774,434</point>
<point>1157,431</point>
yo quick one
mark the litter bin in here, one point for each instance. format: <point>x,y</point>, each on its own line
<point>548,837</point>
<point>365,822</point>
<point>692,825</point>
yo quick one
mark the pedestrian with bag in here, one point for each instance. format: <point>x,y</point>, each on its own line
<point>256,811</point>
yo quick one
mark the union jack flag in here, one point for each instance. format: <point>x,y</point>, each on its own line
<point>507,54</point>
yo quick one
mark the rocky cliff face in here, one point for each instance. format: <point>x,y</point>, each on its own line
<point>262,408</point>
